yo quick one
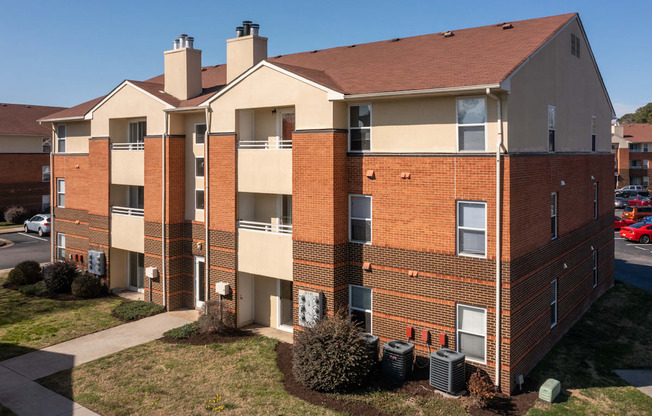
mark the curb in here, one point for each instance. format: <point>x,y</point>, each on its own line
<point>11,230</point>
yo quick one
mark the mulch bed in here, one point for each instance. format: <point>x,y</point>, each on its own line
<point>417,385</point>
<point>223,337</point>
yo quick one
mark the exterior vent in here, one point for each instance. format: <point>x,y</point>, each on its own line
<point>507,26</point>
<point>448,34</point>
<point>447,371</point>
<point>370,343</point>
<point>396,40</point>
<point>397,360</point>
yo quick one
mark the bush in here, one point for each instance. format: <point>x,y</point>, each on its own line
<point>59,276</point>
<point>25,273</point>
<point>331,356</point>
<point>37,289</point>
<point>87,286</point>
<point>480,389</point>
<point>16,215</point>
<point>210,322</point>
<point>131,311</point>
<point>183,332</point>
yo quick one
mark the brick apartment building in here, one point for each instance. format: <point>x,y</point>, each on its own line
<point>24,157</point>
<point>401,179</point>
<point>632,147</point>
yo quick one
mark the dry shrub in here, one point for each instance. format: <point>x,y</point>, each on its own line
<point>481,389</point>
<point>212,321</point>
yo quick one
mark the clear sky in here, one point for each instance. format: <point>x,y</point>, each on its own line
<point>64,52</point>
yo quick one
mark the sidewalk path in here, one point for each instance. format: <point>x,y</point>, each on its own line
<point>641,379</point>
<point>23,396</point>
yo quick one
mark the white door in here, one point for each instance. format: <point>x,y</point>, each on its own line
<point>200,281</point>
<point>245,291</point>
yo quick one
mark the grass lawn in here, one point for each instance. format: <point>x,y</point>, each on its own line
<point>179,379</point>
<point>28,323</point>
<point>5,225</point>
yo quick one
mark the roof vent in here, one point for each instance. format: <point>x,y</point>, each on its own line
<point>315,51</point>
<point>396,40</point>
<point>507,26</point>
<point>203,69</point>
<point>183,41</point>
<point>247,28</point>
<point>28,106</point>
<point>448,34</point>
<point>352,46</point>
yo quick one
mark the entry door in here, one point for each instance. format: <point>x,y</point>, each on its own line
<point>136,271</point>
<point>245,291</point>
<point>200,281</point>
<point>285,312</point>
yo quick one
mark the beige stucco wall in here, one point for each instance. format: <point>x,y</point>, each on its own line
<point>128,233</point>
<point>128,167</point>
<point>118,267</point>
<point>265,171</point>
<point>77,135</point>
<point>555,77</point>
<point>242,53</point>
<point>183,72</point>
<point>266,254</point>
<point>22,144</point>
<point>265,301</point>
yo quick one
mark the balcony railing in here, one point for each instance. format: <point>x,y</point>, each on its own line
<point>128,146</point>
<point>132,212</point>
<point>265,227</point>
<point>265,144</point>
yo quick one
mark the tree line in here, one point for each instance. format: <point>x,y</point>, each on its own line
<point>641,115</point>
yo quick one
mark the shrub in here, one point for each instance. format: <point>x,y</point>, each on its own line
<point>480,389</point>
<point>59,276</point>
<point>25,273</point>
<point>16,215</point>
<point>183,332</point>
<point>210,321</point>
<point>86,286</point>
<point>37,289</point>
<point>16,277</point>
<point>331,356</point>
<point>131,311</point>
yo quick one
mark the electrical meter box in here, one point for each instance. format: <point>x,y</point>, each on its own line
<point>550,390</point>
<point>311,307</point>
<point>96,262</point>
<point>222,288</point>
<point>151,272</point>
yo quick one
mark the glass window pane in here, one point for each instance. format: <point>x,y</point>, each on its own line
<point>551,117</point>
<point>360,207</point>
<point>472,138</point>
<point>360,297</point>
<point>471,320</point>
<point>472,242</point>
<point>471,111</point>
<point>551,140</point>
<point>363,319</point>
<point>472,346</point>
<point>553,314</point>
<point>61,132</point>
<point>199,203</point>
<point>361,230</point>
<point>360,116</point>
<point>360,139</point>
<point>472,215</point>
<point>199,167</point>
<point>200,131</point>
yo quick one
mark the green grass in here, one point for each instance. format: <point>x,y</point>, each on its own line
<point>28,323</point>
<point>131,311</point>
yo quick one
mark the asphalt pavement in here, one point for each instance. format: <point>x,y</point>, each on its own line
<point>633,261</point>
<point>24,247</point>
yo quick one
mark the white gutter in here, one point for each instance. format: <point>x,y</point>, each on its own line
<point>499,144</point>
<point>183,109</point>
<point>163,170</point>
<point>207,258</point>
<point>52,120</point>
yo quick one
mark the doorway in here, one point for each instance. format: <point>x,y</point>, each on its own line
<point>200,281</point>
<point>245,291</point>
<point>136,271</point>
<point>285,311</point>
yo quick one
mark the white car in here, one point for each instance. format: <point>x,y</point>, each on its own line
<point>631,188</point>
<point>38,223</point>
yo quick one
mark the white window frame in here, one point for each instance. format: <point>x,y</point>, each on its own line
<point>371,216</point>
<point>45,140</point>
<point>555,214</point>
<point>60,193</point>
<point>197,190</point>
<point>595,200</point>
<point>458,330</point>
<point>61,237</point>
<point>457,228</point>
<point>43,168</point>
<point>554,109</point>
<point>457,125</point>
<point>594,129</point>
<point>194,133</point>
<point>137,122</point>
<point>371,124</point>
<point>371,311</point>
<point>204,172</point>
<point>595,268</point>
<point>553,304</point>
<point>60,139</point>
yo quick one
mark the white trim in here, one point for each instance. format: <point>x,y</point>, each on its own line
<point>553,304</point>
<point>65,130</point>
<point>555,216</point>
<point>46,140</point>
<point>457,331</point>
<point>484,125</point>
<point>371,124</point>
<point>59,181</point>
<point>52,120</point>
<point>195,281</point>
<point>595,200</point>
<point>59,246</point>
<point>595,268</point>
<point>457,228</point>
<point>371,301</point>
<point>196,208</point>
<point>194,133</point>
<point>554,112</point>
<point>89,113</point>
<point>203,174</point>
<point>370,219</point>
<point>422,92</point>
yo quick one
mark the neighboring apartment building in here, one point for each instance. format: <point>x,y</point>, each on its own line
<point>25,157</point>
<point>631,145</point>
<point>400,179</point>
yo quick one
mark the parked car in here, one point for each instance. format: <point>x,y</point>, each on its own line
<point>640,201</point>
<point>620,223</point>
<point>637,232</point>
<point>646,220</point>
<point>634,213</point>
<point>644,193</point>
<point>625,194</point>
<point>620,202</point>
<point>38,223</point>
<point>634,188</point>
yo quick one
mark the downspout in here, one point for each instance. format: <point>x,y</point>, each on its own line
<point>163,195</point>
<point>207,258</point>
<point>499,144</point>
<point>53,234</point>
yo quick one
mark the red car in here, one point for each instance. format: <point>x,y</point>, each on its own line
<point>639,201</point>
<point>640,232</point>
<point>620,223</point>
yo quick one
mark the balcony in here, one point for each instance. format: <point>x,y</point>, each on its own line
<point>265,249</point>
<point>128,164</point>
<point>128,228</point>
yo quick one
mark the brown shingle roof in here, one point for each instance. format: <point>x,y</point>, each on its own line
<point>20,119</point>
<point>638,133</point>
<point>76,111</point>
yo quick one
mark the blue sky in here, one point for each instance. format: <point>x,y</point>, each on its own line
<point>66,52</point>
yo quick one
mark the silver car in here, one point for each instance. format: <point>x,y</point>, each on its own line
<point>38,223</point>
<point>620,202</point>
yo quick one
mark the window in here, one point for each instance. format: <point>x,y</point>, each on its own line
<point>46,145</point>
<point>200,133</point>
<point>286,215</point>
<point>575,45</point>
<point>136,197</point>
<point>595,201</point>
<point>360,128</point>
<point>553,215</point>
<point>61,246</point>
<point>595,268</point>
<point>646,164</point>
<point>45,173</point>
<point>471,228</point>
<point>472,332</point>
<point>61,193</point>
<point>137,131</point>
<point>61,138</point>
<point>553,303</point>
<point>45,203</point>
<point>552,128</point>
<point>645,147</point>
<point>646,181</point>
<point>593,130</point>
<point>360,306</point>
<point>199,199</point>
<point>199,166</point>
<point>360,218</point>
<point>471,124</point>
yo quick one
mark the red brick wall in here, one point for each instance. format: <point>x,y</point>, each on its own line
<point>222,170</point>
<point>20,180</point>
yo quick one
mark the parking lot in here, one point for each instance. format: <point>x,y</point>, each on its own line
<point>23,247</point>
<point>633,261</point>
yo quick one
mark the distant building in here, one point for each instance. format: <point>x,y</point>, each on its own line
<point>632,146</point>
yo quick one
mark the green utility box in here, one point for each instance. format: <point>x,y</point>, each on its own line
<point>549,390</point>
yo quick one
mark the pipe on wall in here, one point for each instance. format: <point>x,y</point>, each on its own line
<point>163,211</point>
<point>207,257</point>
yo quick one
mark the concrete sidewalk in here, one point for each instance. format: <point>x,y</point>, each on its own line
<point>11,230</point>
<point>641,379</point>
<point>23,396</point>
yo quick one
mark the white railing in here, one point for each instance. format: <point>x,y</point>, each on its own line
<point>132,212</point>
<point>274,144</point>
<point>128,146</point>
<point>265,227</point>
